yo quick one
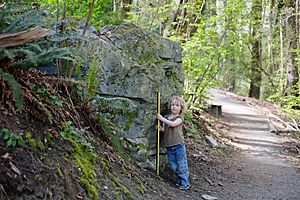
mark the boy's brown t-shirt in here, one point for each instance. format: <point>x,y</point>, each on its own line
<point>173,135</point>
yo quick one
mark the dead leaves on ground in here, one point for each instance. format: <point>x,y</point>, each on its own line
<point>45,97</point>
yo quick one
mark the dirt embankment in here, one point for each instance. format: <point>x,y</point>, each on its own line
<point>251,163</point>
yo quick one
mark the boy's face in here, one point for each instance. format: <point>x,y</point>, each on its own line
<point>175,107</point>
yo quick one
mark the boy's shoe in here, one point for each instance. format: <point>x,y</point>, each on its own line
<point>185,187</point>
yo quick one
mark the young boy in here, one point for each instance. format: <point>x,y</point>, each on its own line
<point>173,140</point>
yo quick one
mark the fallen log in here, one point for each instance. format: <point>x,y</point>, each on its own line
<point>15,39</point>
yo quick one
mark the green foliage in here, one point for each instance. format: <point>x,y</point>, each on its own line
<point>44,92</point>
<point>31,140</point>
<point>117,144</point>
<point>85,161</point>
<point>121,186</point>
<point>217,48</point>
<point>58,170</point>
<point>193,127</point>
<point>117,105</point>
<point>39,144</point>
<point>15,17</point>
<point>209,53</point>
<point>142,189</point>
<point>115,139</point>
<point>103,14</point>
<point>92,80</point>
<point>148,14</point>
<point>289,103</point>
<point>16,89</point>
<point>36,58</point>
<point>296,134</point>
<point>104,163</point>
<point>69,131</point>
<point>11,138</point>
<point>84,157</point>
<point>40,53</point>
<point>110,110</point>
<point>78,10</point>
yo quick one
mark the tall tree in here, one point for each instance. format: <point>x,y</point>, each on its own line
<point>292,32</point>
<point>256,52</point>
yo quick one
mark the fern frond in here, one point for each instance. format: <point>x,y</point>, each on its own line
<point>21,19</point>
<point>34,47</point>
<point>5,53</point>
<point>91,78</point>
<point>43,58</point>
<point>16,89</point>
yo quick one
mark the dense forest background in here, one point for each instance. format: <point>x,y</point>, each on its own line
<point>248,47</point>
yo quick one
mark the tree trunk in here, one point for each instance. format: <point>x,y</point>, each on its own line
<point>255,70</point>
<point>125,7</point>
<point>115,6</point>
<point>256,51</point>
<point>172,18</point>
<point>292,41</point>
<point>232,80</point>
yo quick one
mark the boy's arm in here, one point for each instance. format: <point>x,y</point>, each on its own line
<point>168,122</point>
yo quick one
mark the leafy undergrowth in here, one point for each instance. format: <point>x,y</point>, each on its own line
<point>56,149</point>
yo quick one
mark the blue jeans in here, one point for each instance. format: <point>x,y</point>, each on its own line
<point>178,163</point>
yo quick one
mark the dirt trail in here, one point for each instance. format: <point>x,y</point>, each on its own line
<point>261,171</point>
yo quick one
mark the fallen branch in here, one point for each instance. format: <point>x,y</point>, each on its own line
<point>287,127</point>
<point>295,124</point>
<point>15,39</point>
<point>3,194</point>
<point>2,5</point>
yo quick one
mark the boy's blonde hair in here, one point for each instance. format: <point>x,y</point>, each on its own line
<point>181,102</point>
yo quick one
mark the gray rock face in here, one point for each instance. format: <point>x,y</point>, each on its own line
<point>135,64</point>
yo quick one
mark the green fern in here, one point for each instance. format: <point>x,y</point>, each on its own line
<point>5,53</point>
<point>33,59</point>
<point>91,78</point>
<point>15,17</point>
<point>16,89</point>
<point>18,17</point>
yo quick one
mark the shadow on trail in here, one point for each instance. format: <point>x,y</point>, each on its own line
<point>246,118</point>
<point>247,122</point>
<point>244,128</point>
<point>260,171</point>
<point>255,141</point>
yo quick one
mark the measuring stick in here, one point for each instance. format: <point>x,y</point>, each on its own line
<point>157,137</point>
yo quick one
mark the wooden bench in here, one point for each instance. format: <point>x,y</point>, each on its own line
<point>215,110</point>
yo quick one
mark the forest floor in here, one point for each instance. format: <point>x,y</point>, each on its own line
<point>250,163</point>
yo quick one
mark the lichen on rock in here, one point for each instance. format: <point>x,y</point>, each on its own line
<point>135,64</point>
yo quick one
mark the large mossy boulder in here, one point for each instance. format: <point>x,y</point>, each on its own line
<point>135,65</point>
